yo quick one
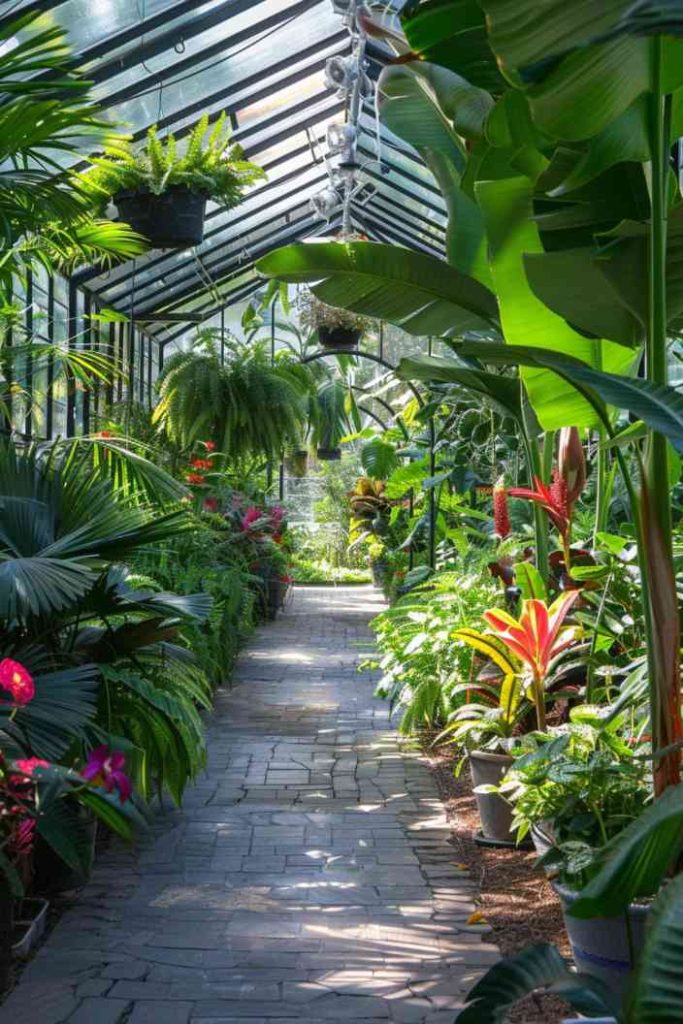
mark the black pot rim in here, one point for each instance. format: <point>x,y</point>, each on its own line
<point>132,193</point>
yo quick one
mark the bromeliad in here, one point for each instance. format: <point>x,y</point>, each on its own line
<point>534,639</point>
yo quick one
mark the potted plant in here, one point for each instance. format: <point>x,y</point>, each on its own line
<point>523,651</point>
<point>337,329</point>
<point>296,461</point>
<point>634,863</point>
<point>161,190</point>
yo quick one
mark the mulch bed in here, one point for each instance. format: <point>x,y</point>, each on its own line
<point>516,899</point>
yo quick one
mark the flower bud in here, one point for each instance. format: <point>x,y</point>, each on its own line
<point>501,515</point>
<point>571,462</point>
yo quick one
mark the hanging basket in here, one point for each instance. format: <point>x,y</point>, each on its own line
<point>172,220</point>
<point>297,463</point>
<point>329,454</point>
<point>343,338</point>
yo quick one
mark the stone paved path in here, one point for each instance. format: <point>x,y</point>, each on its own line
<point>309,876</point>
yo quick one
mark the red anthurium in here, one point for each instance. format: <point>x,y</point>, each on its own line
<point>536,638</point>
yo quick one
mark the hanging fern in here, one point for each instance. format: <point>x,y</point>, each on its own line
<point>212,166</point>
<point>247,406</point>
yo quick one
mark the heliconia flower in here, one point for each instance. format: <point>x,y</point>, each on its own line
<point>195,479</point>
<point>104,767</point>
<point>209,445</point>
<point>17,681</point>
<point>553,498</point>
<point>211,504</point>
<point>201,464</point>
<point>571,463</point>
<point>29,764</point>
<point>501,514</point>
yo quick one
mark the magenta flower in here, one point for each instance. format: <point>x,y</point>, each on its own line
<point>104,767</point>
<point>250,516</point>
<point>17,681</point>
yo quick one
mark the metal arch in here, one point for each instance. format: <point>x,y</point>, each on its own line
<point>380,360</point>
<point>373,416</point>
<point>385,405</point>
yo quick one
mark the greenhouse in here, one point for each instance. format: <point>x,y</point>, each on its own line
<point>341,517</point>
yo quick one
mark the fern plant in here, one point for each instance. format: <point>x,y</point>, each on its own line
<point>209,164</point>
<point>247,406</point>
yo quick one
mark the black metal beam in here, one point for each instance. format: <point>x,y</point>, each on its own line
<point>397,236</point>
<point>408,236</point>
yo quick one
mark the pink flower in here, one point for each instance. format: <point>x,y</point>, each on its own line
<point>27,766</point>
<point>209,445</point>
<point>250,516</point>
<point>24,837</point>
<point>17,681</point>
<point>104,767</point>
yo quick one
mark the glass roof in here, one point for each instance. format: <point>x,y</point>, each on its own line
<point>166,62</point>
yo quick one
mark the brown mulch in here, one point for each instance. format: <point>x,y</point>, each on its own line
<point>516,899</point>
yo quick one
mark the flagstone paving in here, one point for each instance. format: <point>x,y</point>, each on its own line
<point>309,875</point>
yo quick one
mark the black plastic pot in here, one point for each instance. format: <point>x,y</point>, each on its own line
<point>379,569</point>
<point>276,592</point>
<point>339,337</point>
<point>495,814</point>
<point>6,930</point>
<point>172,220</point>
<point>329,454</point>
<point>601,946</point>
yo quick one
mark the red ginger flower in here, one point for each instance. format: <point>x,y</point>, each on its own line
<point>17,681</point>
<point>501,515</point>
<point>105,768</point>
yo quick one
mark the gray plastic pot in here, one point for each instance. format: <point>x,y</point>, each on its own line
<point>600,945</point>
<point>495,813</point>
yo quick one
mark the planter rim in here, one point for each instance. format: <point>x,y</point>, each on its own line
<point>490,755</point>
<point>569,895</point>
<point>130,193</point>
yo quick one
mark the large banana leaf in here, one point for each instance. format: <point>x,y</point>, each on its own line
<point>508,212</point>
<point>575,89</point>
<point>657,995</point>
<point>430,107</point>
<point>536,967</point>
<point>417,292</point>
<point>635,862</point>
<point>452,33</point>
<point>660,406</point>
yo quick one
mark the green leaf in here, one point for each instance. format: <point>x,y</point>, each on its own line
<point>502,392</point>
<point>530,581</point>
<point>536,967</point>
<point>416,292</point>
<point>634,862</point>
<point>526,320</point>
<point>657,994</point>
<point>452,33</point>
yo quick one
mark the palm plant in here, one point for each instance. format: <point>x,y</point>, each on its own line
<point>101,648</point>
<point>44,217</point>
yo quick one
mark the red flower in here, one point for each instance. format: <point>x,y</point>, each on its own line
<point>105,768</point>
<point>24,837</point>
<point>17,681</point>
<point>211,504</point>
<point>552,498</point>
<point>28,764</point>
<point>201,463</point>
<point>105,434</point>
<point>195,479</point>
<point>501,515</point>
<point>250,517</point>
<point>209,445</point>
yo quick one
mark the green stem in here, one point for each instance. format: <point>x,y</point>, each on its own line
<point>601,489</point>
<point>535,468</point>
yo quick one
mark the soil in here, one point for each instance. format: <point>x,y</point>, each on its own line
<point>516,899</point>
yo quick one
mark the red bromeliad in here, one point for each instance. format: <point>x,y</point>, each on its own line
<point>536,638</point>
<point>554,499</point>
